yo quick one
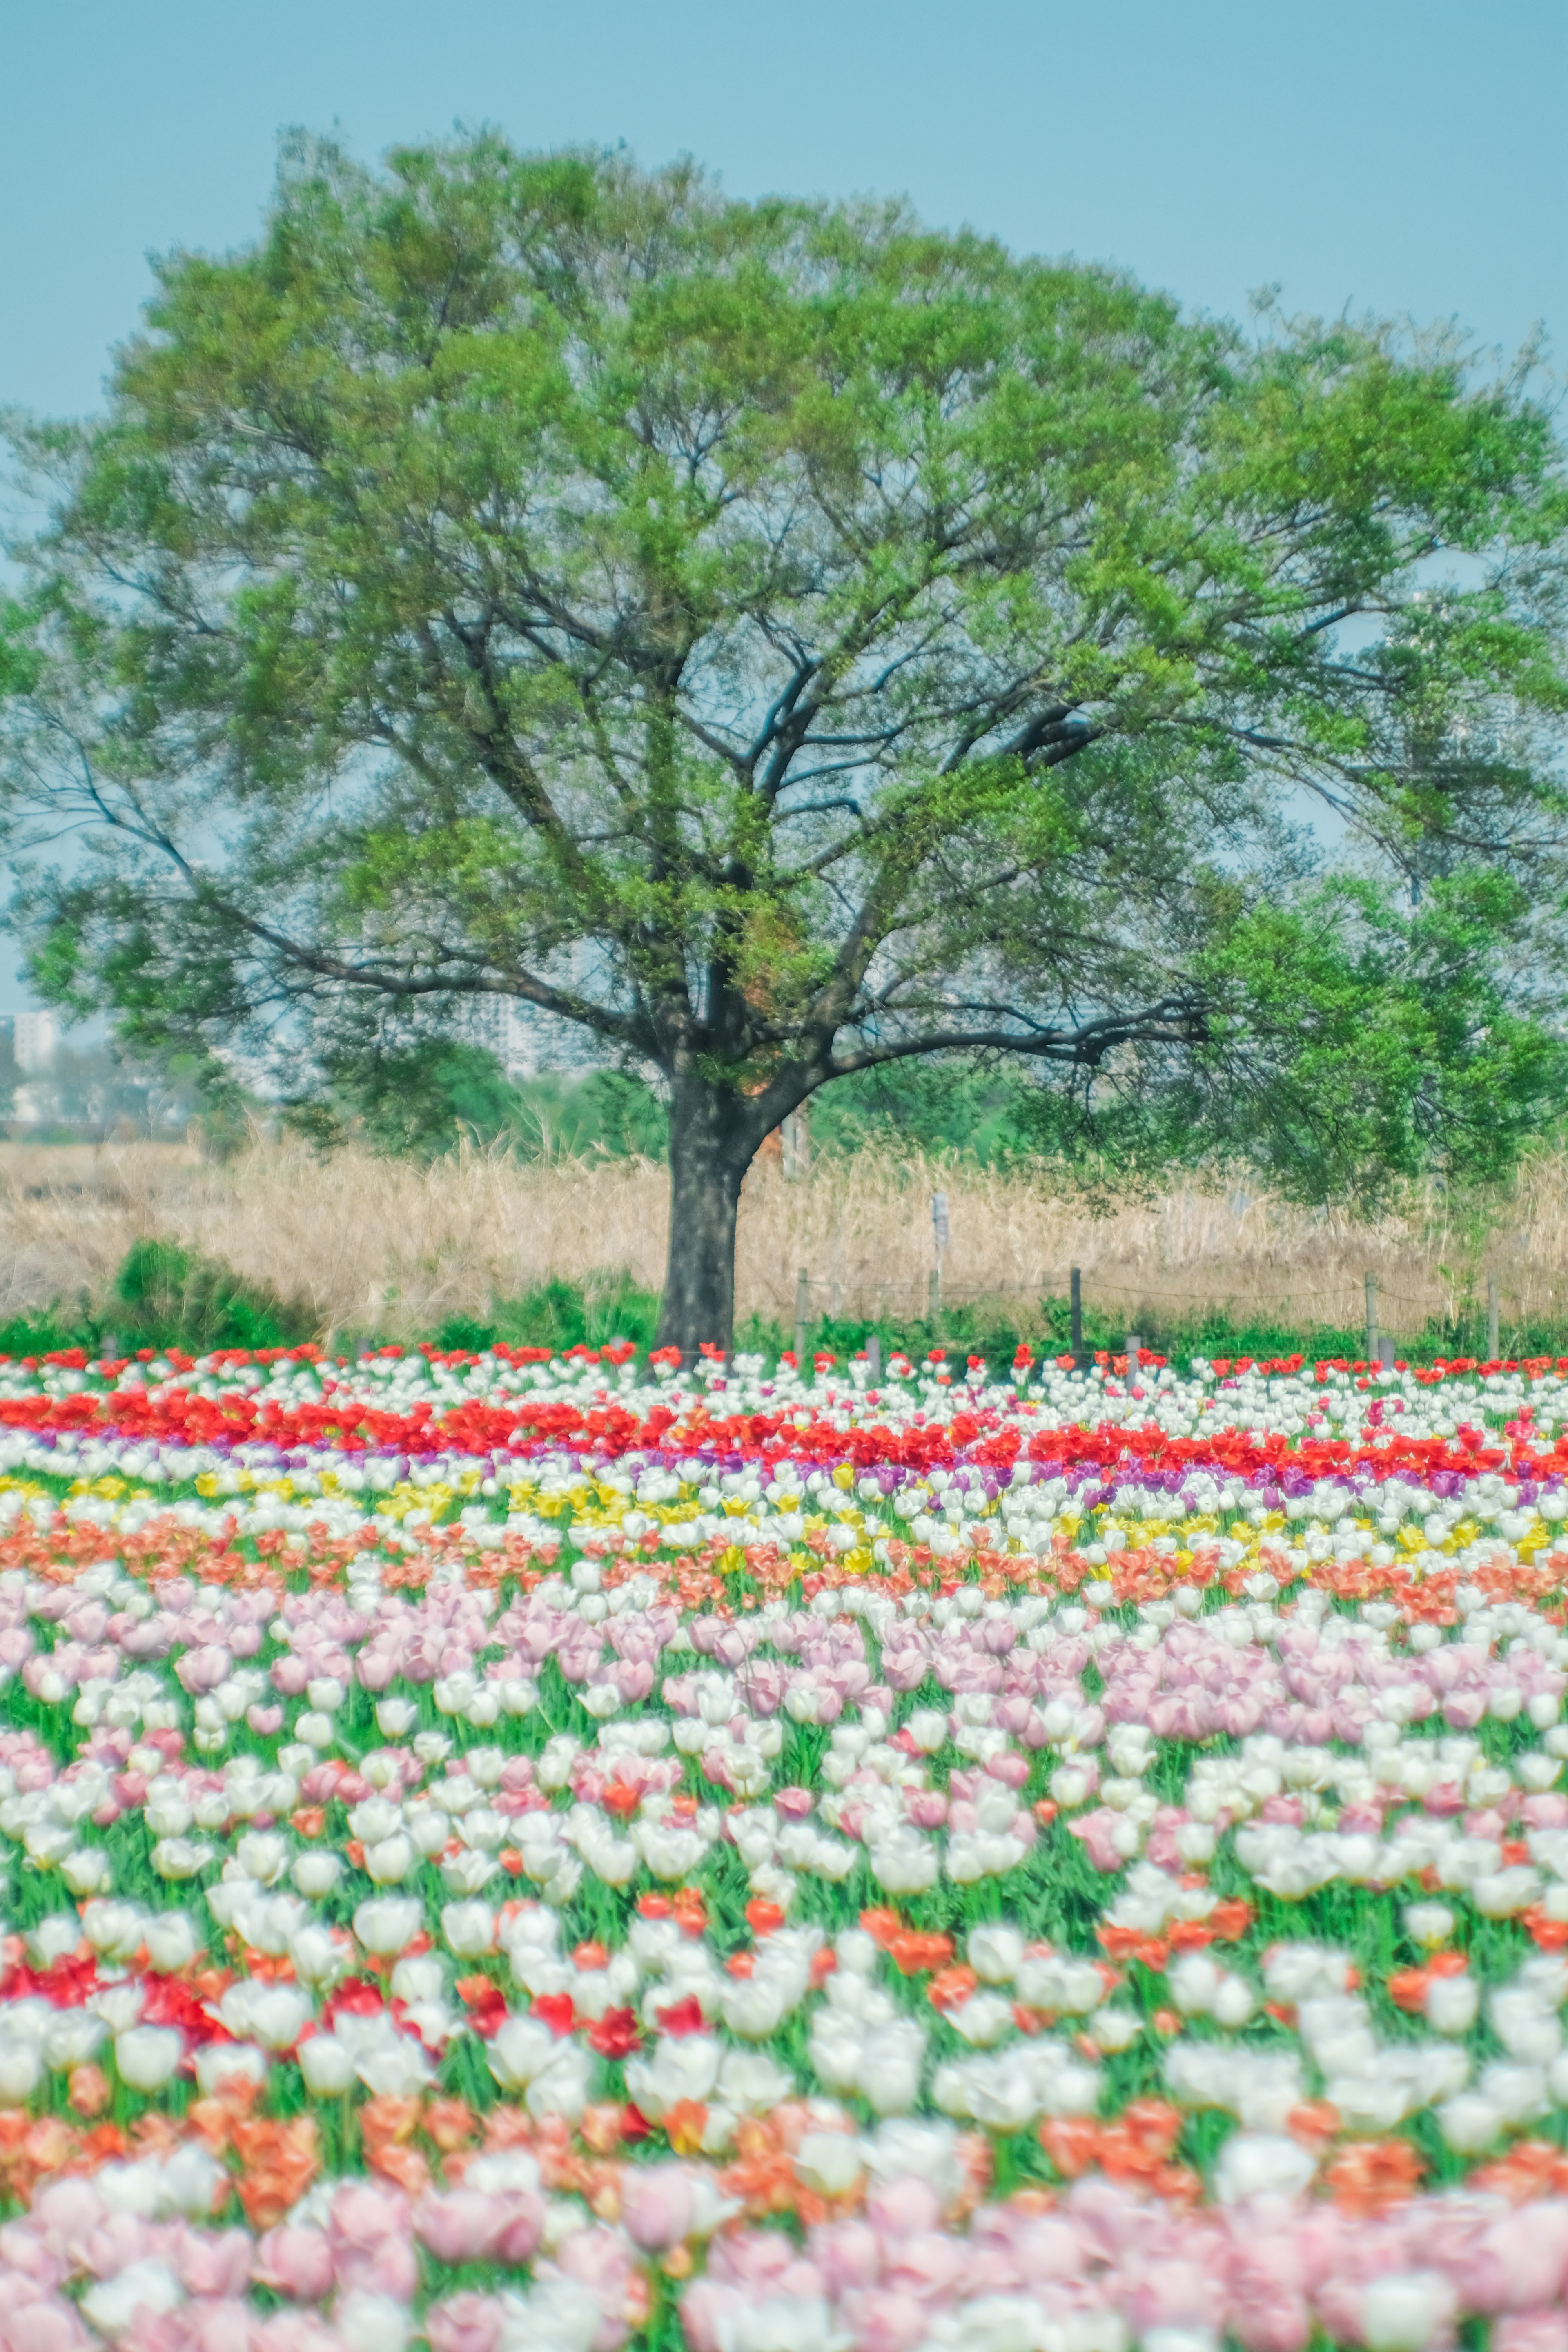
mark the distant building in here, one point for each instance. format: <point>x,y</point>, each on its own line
<point>525,1040</point>
<point>34,1039</point>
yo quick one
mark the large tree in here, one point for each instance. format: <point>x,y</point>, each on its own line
<point>783,640</point>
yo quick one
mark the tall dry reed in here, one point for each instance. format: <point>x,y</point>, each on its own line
<point>384,1245</point>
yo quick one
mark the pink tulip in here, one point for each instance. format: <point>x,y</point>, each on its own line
<point>468,2225</point>
<point>46,2325</point>
<point>214,2263</point>
<point>203,1669</point>
<point>1095,1829</point>
<point>598,2260</point>
<point>464,2323</point>
<point>295,2261</point>
<point>1047,2249</point>
<point>371,2253</point>
<point>117,2241</point>
<point>754,2259</point>
<point>848,2254</point>
<point>1531,2331</point>
<point>885,2320</point>
<point>64,2215</point>
<point>1265,2314</point>
<point>1518,2263</point>
<point>705,2308</point>
<point>294,2331</point>
<point>657,2205</point>
<point>27,2256</point>
<point>362,2216</point>
<point>902,2207</point>
<point>219,2324</point>
<point>928,2263</point>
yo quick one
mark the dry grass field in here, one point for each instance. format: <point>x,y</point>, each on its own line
<point>384,1245</point>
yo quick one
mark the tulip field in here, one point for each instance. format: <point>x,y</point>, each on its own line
<point>529,1854</point>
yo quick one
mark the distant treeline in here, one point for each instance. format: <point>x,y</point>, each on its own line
<point>425,1100</point>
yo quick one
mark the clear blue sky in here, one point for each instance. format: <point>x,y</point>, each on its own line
<point>1404,156</point>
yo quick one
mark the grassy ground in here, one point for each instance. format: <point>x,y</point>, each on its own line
<point>346,1244</point>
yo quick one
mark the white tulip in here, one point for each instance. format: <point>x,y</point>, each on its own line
<point>1428,1924</point>
<point>20,2068</point>
<point>327,2066</point>
<point>111,2304</point>
<point>890,2070</point>
<point>371,2323</point>
<point>400,2071</point>
<point>147,2055</point>
<point>321,1955</point>
<point>1406,2310</point>
<point>73,2037</point>
<point>390,1860</point>
<point>262,1856</point>
<point>86,1871</point>
<point>180,1857</point>
<point>385,1924</point>
<point>317,1873</point>
<point>117,1930</point>
<point>830,2163</point>
<point>275,2015</point>
<point>470,1929</point>
<point>170,1940</point>
<point>229,2061</point>
<point>995,1952</point>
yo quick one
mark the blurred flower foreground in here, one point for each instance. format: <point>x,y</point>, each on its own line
<point>521,1854</point>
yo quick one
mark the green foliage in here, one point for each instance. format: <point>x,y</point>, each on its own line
<point>55,1329</point>
<point>560,1314</point>
<point>1350,1043</point>
<point>164,1298</point>
<point>786,641</point>
<point>608,1112</point>
<point>422,1101</point>
<point>166,1295</point>
<point>953,1102</point>
<point>994,1330</point>
<point>418,1101</point>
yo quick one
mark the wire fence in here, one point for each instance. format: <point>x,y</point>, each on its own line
<point>1483,1307</point>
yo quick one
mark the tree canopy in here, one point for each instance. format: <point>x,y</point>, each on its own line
<point>785,641</point>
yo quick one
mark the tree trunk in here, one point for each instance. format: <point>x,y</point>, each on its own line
<point>710,1148</point>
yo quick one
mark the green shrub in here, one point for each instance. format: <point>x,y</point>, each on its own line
<point>559,1313</point>
<point>170,1296</point>
<point>47,1334</point>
